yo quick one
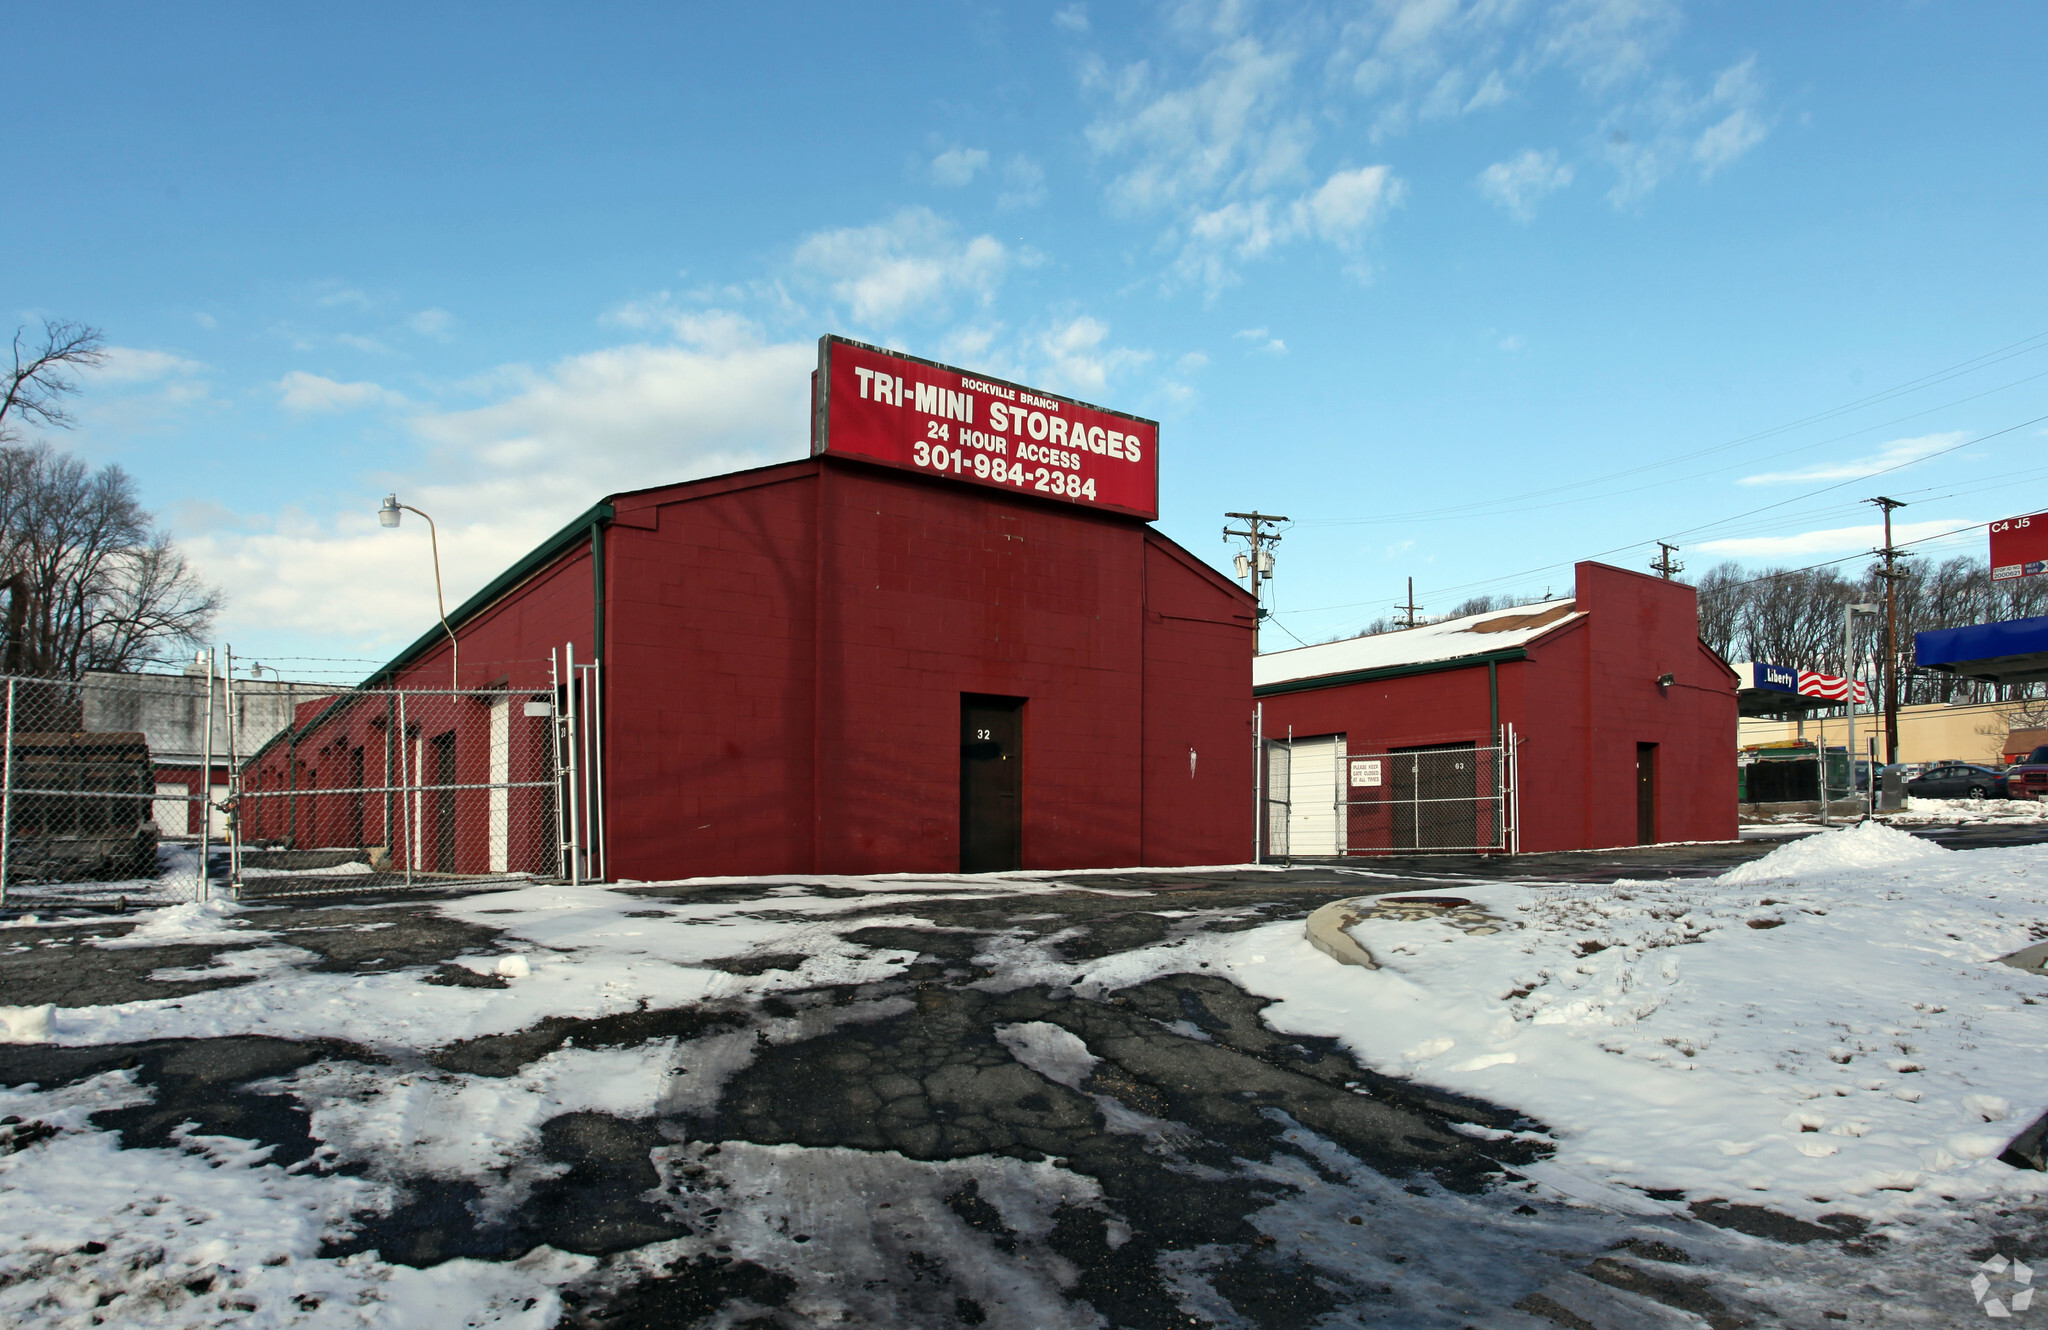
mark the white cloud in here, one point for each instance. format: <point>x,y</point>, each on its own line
<point>717,331</point>
<point>957,166</point>
<point>1343,206</point>
<point>1077,361</point>
<point>1492,91</point>
<point>1515,185</point>
<point>205,320</point>
<point>1024,184</point>
<point>1512,343</point>
<point>1340,211</point>
<point>1648,139</point>
<point>333,295</point>
<point>1231,130</point>
<point>1608,41</point>
<point>130,364</point>
<point>300,391</point>
<point>914,263</point>
<point>1261,340</point>
<point>1836,540</point>
<point>1890,455</point>
<point>1073,18</point>
<point>357,342</point>
<point>500,478</point>
<point>432,323</point>
<point>1191,362</point>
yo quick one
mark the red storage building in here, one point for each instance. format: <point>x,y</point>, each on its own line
<point>881,658</point>
<point>1597,721</point>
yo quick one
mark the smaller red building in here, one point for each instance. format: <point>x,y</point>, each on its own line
<point>1586,723</point>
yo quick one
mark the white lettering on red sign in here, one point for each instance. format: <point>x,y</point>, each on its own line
<point>884,407</point>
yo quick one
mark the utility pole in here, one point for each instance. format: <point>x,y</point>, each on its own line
<point>1411,607</point>
<point>1890,681</point>
<point>1663,564</point>
<point>1261,532</point>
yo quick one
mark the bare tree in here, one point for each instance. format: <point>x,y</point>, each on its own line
<point>41,380</point>
<point>92,583</point>
<point>96,586</point>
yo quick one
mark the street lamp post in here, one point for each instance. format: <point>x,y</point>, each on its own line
<point>388,515</point>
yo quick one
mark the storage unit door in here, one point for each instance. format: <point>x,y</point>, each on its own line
<point>1313,827</point>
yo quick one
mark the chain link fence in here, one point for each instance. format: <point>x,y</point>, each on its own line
<point>1454,797</point>
<point>164,789</point>
<point>1319,801</point>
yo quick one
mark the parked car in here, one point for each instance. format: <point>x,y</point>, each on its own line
<point>2028,779</point>
<point>1960,780</point>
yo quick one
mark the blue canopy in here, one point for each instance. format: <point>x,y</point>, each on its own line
<point>2015,651</point>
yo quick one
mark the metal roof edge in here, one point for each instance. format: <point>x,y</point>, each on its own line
<point>1388,672</point>
<point>547,550</point>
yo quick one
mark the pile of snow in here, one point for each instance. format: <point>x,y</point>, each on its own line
<point>1824,1030</point>
<point>195,922</point>
<point>1867,845</point>
<point>1928,812</point>
<point>26,1025</point>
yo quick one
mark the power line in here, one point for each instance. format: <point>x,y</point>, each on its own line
<point>1769,507</point>
<point>1481,508</point>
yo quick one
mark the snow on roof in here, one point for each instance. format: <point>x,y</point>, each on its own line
<point>1473,635</point>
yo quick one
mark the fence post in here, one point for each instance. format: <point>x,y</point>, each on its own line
<point>206,790</point>
<point>1258,780</point>
<point>404,791</point>
<point>7,797</point>
<point>234,782</point>
<point>571,719</point>
<point>602,868</point>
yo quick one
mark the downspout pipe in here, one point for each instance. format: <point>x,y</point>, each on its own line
<point>597,590</point>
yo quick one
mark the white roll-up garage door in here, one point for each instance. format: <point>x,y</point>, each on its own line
<point>1313,828</point>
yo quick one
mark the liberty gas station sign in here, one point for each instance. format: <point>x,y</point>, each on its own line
<point>2019,547</point>
<point>882,406</point>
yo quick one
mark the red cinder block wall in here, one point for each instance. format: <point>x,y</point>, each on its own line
<point>1580,703</point>
<point>1640,627</point>
<point>787,649</point>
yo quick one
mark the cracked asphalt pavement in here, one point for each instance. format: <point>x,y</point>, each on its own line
<point>961,1142</point>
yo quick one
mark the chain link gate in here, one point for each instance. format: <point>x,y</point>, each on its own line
<point>1319,801</point>
<point>1436,799</point>
<point>164,789</point>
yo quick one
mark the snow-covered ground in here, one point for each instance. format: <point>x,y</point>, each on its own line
<point>1823,1031</point>
<point>1925,812</point>
<point>177,879</point>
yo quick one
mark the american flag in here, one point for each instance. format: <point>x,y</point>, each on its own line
<point>1830,686</point>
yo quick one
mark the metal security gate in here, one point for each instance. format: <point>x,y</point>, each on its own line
<point>1439,798</point>
<point>1317,800</point>
<point>160,788</point>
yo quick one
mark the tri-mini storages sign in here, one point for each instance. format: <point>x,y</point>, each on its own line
<point>883,406</point>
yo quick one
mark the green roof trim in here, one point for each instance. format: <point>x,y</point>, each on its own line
<point>553,547</point>
<point>1389,672</point>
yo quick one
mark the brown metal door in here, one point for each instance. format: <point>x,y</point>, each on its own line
<point>444,802</point>
<point>1646,794</point>
<point>991,783</point>
<point>356,798</point>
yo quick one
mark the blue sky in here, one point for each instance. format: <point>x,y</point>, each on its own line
<point>1398,270</point>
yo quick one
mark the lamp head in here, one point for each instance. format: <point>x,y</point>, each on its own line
<point>1863,609</point>
<point>389,514</point>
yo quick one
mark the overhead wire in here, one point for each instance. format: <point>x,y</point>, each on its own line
<point>1770,507</point>
<point>1494,507</point>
